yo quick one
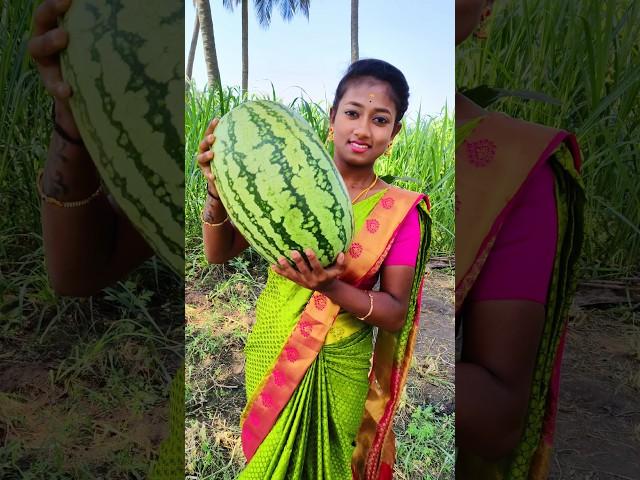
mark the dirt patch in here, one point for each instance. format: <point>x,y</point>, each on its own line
<point>432,378</point>
<point>598,423</point>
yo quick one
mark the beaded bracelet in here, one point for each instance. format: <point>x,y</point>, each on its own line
<point>58,203</point>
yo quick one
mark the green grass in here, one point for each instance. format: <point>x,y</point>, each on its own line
<point>426,447</point>
<point>585,55</point>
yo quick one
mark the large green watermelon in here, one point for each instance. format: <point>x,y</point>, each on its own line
<point>280,187</point>
<point>125,64</point>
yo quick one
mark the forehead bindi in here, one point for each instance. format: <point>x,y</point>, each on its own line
<point>370,95</point>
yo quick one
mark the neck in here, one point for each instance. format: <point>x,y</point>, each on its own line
<point>467,110</point>
<point>355,176</point>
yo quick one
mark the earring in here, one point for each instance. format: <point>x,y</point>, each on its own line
<point>389,150</point>
<point>481,31</point>
<point>329,136</point>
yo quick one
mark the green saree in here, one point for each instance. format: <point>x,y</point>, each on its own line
<point>314,434</point>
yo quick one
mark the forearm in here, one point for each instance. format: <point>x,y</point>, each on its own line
<point>78,241</point>
<point>388,312</point>
<point>218,239</point>
<point>221,240</point>
<point>487,423</point>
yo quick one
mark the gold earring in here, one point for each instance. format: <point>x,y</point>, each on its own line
<point>481,31</point>
<point>329,136</point>
<point>389,150</point>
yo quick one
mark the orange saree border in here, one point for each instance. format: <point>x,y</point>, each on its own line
<point>370,244</point>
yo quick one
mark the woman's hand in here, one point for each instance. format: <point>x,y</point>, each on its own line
<point>47,42</point>
<point>315,278</point>
<point>205,156</point>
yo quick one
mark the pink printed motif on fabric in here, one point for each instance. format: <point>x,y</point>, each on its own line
<point>373,225</point>
<point>292,354</point>
<point>481,153</point>
<point>278,378</point>
<point>387,202</point>
<point>355,250</point>
<point>320,301</point>
<point>306,327</point>
<point>266,400</point>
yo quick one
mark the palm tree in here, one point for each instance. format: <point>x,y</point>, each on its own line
<point>208,42</point>
<point>264,8</point>
<point>194,44</point>
<point>354,31</point>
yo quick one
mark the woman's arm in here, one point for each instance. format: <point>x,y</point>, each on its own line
<point>222,241</point>
<point>90,246</point>
<point>87,247</point>
<point>390,304</point>
<point>493,378</point>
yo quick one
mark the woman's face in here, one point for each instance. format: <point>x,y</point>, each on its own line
<point>364,122</point>
<point>468,14</point>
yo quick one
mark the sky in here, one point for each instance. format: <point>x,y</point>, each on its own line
<point>417,36</point>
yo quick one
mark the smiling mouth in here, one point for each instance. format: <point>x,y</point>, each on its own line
<point>359,147</point>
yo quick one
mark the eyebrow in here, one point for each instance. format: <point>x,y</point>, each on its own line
<point>379,109</point>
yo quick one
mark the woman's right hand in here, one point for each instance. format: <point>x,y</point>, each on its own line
<point>47,42</point>
<point>205,156</point>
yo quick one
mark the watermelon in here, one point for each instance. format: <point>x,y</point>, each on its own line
<point>281,189</point>
<point>124,63</point>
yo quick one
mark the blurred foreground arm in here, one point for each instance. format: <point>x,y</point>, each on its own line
<point>493,378</point>
<point>91,244</point>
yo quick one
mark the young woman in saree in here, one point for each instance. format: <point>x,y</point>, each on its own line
<point>518,235</point>
<point>318,406</point>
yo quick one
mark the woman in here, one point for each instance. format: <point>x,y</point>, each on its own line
<point>318,413</point>
<point>518,236</point>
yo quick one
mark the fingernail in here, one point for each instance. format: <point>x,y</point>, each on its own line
<point>210,138</point>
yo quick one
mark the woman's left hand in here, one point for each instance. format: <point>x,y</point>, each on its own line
<point>317,277</point>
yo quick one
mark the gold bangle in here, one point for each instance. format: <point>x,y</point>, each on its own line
<point>58,203</point>
<point>213,224</point>
<point>370,307</point>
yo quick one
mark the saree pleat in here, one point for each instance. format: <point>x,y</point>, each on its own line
<point>313,436</point>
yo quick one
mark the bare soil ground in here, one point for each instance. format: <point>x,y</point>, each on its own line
<point>598,424</point>
<point>435,349</point>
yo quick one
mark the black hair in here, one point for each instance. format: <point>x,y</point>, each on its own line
<point>380,70</point>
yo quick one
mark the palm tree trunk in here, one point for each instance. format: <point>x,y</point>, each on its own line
<point>192,48</point>
<point>355,55</point>
<point>245,46</point>
<point>208,42</point>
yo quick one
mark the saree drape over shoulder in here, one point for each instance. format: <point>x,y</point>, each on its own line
<point>318,406</point>
<point>492,165</point>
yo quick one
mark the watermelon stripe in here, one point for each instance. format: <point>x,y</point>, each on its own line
<point>280,187</point>
<point>126,103</point>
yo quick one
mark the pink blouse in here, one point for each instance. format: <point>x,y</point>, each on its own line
<point>520,265</point>
<point>404,250</point>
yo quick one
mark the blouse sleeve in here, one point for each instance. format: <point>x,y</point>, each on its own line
<point>520,264</point>
<point>404,250</point>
